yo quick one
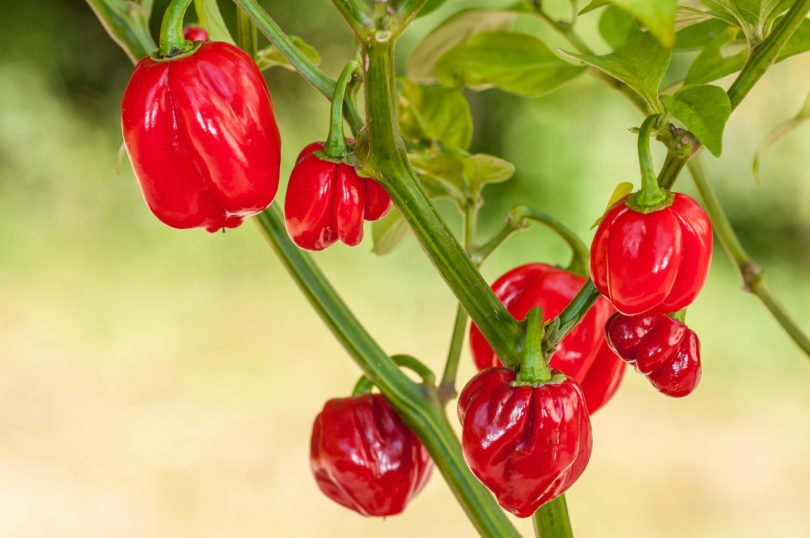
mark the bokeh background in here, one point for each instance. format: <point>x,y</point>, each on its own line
<point>162,383</point>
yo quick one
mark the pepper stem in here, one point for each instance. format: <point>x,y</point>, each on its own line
<point>335,146</point>
<point>651,194</point>
<point>362,386</point>
<point>533,367</point>
<point>412,363</point>
<point>171,40</point>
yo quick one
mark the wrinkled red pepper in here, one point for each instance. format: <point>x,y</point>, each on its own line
<point>328,200</point>
<point>365,458</point>
<point>661,347</point>
<point>202,138</point>
<point>652,262</point>
<point>527,444</point>
<point>552,288</point>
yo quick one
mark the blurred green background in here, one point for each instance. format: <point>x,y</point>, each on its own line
<point>162,383</point>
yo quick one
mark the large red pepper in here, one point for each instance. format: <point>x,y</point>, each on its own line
<point>365,458</point>
<point>328,200</point>
<point>654,262</point>
<point>202,138</point>
<point>603,378</point>
<point>526,443</point>
<point>662,348</point>
<point>551,288</point>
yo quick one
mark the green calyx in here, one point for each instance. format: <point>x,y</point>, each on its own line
<point>534,369</point>
<point>638,203</point>
<point>189,49</point>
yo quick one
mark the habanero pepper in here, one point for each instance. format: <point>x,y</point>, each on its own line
<point>552,288</point>
<point>201,136</point>
<point>364,457</point>
<point>662,348</point>
<point>527,443</point>
<point>651,252</point>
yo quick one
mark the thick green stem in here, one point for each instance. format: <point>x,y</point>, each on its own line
<point>172,41</point>
<point>418,406</point>
<point>127,23</point>
<point>335,146</point>
<point>650,195</point>
<point>388,162</point>
<point>551,520</point>
<point>302,64</point>
<point>764,54</point>
<point>571,315</point>
<point>751,274</point>
<point>534,369</point>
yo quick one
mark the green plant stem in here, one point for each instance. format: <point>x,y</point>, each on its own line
<point>534,369</point>
<point>302,64</point>
<point>418,405</point>
<point>335,146</point>
<point>127,23</point>
<point>551,520</point>
<point>200,11</point>
<point>362,386</point>
<point>388,163</point>
<point>246,34</point>
<point>415,365</point>
<point>764,54</point>
<point>650,194</point>
<point>671,169</point>
<point>751,274</point>
<point>172,41</point>
<point>572,314</point>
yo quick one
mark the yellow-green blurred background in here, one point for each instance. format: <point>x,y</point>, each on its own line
<point>162,383</point>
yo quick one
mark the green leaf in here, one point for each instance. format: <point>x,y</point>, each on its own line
<point>622,189</point>
<point>430,6</point>
<point>210,17</point>
<point>442,174</point>
<point>434,114</point>
<point>388,232</point>
<point>481,169</point>
<point>699,35</point>
<point>799,42</point>
<point>755,17</point>
<point>640,63</point>
<point>616,26</point>
<point>711,65</point>
<point>518,63</point>
<point>455,30</point>
<point>778,132</point>
<point>595,4</point>
<point>702,109</point>
<point>657,15</point>
<point>270,56</point>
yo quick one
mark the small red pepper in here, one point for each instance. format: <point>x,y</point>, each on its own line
<point>202,138</point>
<point>551,288</point>
<point>365,458</point>
<point>655,262</point>
<point>661,347</point>
<point>192,32</point>
<point>327,201</point>
<point>526,443</point>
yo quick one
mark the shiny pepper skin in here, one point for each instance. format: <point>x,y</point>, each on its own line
<point>603,378</point>
<point>527,444</point>
<point>551,288</point>
<point>192,32</point>
<point>202,137</point>
<point>662,348</point>
<point>365,458</point>
<point>327,201</point>
<point>652,263</point>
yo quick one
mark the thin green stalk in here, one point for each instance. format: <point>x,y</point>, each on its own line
<point>246,34</point>
<point>751,274</point>
<point>302,64</point>
<point>172,41</point>
<point>651,194</point>
<point>417,405</point>
<point>764,54</point>
<point>389,164</point>
<point>200,11</point>
<point>534,369</point>
<point>335,146</point>
<point>670,170</point>
<point>571,315</point>
<point>551,520</point>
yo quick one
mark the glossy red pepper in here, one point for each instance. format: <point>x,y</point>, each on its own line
<point>552,288</point>
<point>192,32</point>
<point>603,378</point>
<point>365,458</point>
<point>527,444</point>
<point>655,262</point>
<point>662,348</point>
<point>327,201</point>
<point>202,138</point>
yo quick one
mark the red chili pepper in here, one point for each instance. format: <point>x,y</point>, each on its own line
<point>365,458</point>
<point>527,444</point>
<point>654,262</point>
<point>603,378</point>
<point>192,32</point>
<point>662,348</point>
<point>327,201</point>
<point>202,138</point>
<point>551,288</point>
